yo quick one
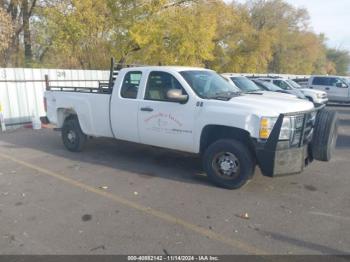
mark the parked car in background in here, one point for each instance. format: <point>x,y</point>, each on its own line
<point>304,82</point>
<point>336,87</point>
<point>268,86</point>
<point>247,86</point>
<point>316,96</point>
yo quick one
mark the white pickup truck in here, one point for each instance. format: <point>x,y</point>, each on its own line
<point>316,96</point>
<point>195,110</point>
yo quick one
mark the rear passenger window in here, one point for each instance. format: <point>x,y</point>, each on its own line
<point>131,85</point>
<point>321,81</point>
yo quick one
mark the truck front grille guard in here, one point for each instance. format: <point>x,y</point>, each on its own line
<point>267,153</point>
<point>306,130</point>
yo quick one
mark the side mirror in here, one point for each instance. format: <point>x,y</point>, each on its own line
<point>341,85</point>
<point>175,95</point>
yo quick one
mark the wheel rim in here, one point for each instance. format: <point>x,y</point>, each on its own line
<point>226,165</point>
<point>71,137</point>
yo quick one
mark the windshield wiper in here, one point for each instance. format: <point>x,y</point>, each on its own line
<point>254,91</point>
<point>225,95</point>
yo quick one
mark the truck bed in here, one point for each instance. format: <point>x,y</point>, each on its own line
<point>93,110</point>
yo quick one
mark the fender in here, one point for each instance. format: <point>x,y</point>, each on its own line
<point>211,133</point>
<point>81,109</point>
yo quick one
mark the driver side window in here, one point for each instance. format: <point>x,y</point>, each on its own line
<point>336,82</point>
<point>159,83</point>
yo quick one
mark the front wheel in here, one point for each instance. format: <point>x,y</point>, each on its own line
<point>325,135</point>
<point>228,163</point>
<point>73,137</point>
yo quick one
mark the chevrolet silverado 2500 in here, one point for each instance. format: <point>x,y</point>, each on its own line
<point>195,110</point>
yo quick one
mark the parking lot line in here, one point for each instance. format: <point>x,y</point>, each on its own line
<point>146,210</point>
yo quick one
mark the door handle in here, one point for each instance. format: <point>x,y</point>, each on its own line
<point>146,109</point>
<point>327,88</point>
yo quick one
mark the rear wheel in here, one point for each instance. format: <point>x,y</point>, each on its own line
<point>73,137</point>
<point>325,136</point>
<point>228,163</point>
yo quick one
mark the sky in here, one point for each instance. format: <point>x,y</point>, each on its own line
<point>329,17</point>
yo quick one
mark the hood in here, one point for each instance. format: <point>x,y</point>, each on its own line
<point>271,106</point>
<point>280,95</point>
<point>308,90</point>
<point>297,93</point>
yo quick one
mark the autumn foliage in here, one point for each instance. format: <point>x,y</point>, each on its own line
<point>6,31</point>
<point>259,36</point>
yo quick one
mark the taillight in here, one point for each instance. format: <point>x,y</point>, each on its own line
<point>45,104</point>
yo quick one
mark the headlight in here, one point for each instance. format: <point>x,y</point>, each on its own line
<point>286,129</point>
<point>267,124</point>
<point>319,95</point>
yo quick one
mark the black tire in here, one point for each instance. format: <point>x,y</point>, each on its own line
<point>325,135</point>
<point>73,137</point>
<point>233,155</point>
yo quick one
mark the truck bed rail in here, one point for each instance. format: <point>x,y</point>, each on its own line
<point>103,87</point>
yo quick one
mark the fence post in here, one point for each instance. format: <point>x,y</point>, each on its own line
<point>47,84</point>
<point>2,120</point>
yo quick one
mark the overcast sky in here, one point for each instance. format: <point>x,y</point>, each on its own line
<point>331,17</point>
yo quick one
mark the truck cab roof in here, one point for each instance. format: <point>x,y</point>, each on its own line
<point>166,68</point>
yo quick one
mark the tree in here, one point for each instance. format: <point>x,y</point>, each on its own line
<point>178,34</point>
<point>296,49</point>
<point>143,30</point>
<point>259,36</point>
<point>340,59</point>
<point>27,11</point>
<point>21,12</point>
<point>238,46</point>
<point>6,32</point>
<point>73,34</point>
<point>88,32</point>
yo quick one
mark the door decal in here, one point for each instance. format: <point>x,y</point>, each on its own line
<point>165,123</point>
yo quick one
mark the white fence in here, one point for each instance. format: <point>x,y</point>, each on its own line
<point>22,89</point>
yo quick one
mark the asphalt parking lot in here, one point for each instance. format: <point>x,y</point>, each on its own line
<point>122,198</point>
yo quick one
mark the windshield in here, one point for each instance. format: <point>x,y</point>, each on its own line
<point>208,84</point>
<point>293,84</point>
<point>245,84</point>
<point>268,86</point>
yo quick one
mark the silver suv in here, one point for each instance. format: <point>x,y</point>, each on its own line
<point>336,87</point>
